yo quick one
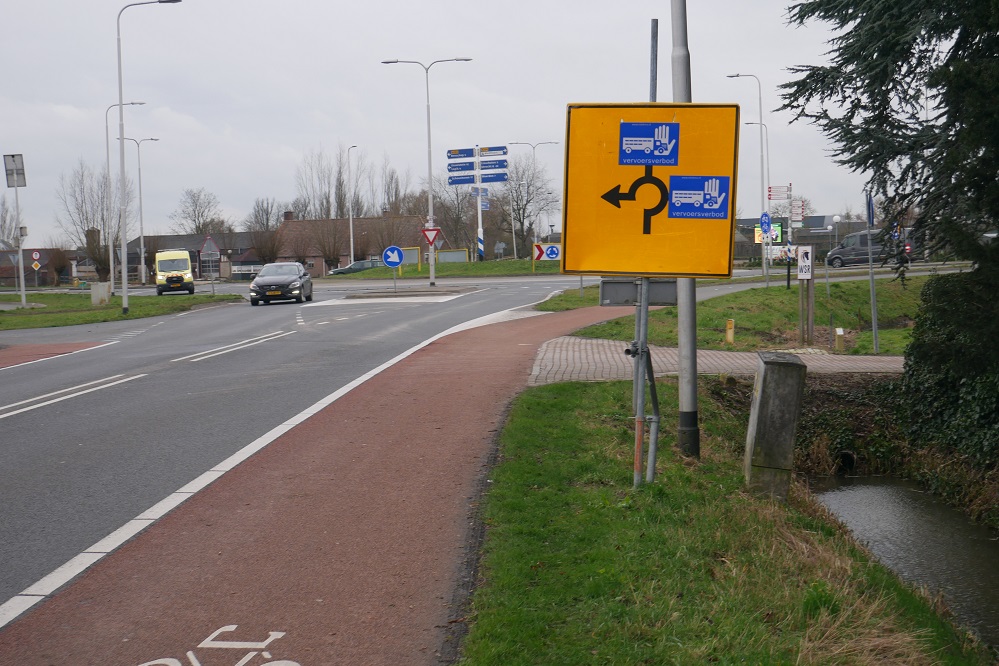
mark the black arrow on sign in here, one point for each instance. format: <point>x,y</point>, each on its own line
<point>614,197</point>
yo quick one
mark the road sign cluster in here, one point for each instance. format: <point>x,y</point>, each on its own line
<point>478,167</point>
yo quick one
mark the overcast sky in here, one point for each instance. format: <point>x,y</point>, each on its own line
<point>239,91</point>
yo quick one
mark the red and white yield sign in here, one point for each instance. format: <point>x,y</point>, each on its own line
<point>431,233</point>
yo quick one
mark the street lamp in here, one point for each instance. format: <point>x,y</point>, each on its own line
<point>430,161</point>
<point>107,157</point>
<point>763,188</point>
<point>142,236</point>
<point>534,164</point>
<point>121,156</point>
<point>350,206</point>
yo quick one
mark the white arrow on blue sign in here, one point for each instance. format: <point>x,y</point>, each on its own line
<point>456,153</point>
<point>460,180</point>
<point>461,166</point>
<point>392,256</point>
<point>493,164</point>
<point>492,177</point>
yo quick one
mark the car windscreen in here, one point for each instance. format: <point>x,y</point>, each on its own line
<point>169,265</point>
<point>278,270</point>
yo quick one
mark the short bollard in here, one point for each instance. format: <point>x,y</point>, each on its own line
<point>773,421</point>
<point>730,331</point>
<point>839,339</point>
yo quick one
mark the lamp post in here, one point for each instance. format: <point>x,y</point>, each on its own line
<point>430,160</point>
<point>142,236</point>
<point>534,161</point>
<point>763,187</point>
<point>121,156</point>
<point>107,157</point>
<point>350,206</point>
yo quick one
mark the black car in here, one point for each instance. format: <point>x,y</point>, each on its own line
<point>281,281</point>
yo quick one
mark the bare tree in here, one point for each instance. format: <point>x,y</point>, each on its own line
<point>328,240</point>
<point>8,223</point>
<point>199,212</point>
<point>529,196</point>
<point>57,263</point>
<point>264,216</point>
<point>783,208</point>
<point>456,216</point>
<point>317,180</point>
<point>84,198</point>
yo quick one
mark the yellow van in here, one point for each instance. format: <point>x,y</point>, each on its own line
<point>173,271</point>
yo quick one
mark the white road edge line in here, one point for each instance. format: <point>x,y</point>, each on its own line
<point>51,583</point>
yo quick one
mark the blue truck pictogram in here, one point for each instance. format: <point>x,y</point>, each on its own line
<point>701,197</point>
<point>649,144</point>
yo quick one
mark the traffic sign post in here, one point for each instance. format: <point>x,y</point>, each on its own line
<point>478,177</point>
<point>650,189</point>
<point>806,295</point>
<point>392,257</point>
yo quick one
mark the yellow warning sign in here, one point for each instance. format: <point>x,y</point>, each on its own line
<point>650,189</point>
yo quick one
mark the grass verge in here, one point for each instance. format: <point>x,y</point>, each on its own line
<point>579,568</point>
<point>768,318</point>
<point>59,309</point>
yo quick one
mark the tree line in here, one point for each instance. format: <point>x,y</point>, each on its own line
<point>327,188</point>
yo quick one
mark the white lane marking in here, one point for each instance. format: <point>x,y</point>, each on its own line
<point>225,349</point>
<point>387,300</point>
<point>72,395</point>
<point>15,606</point>
<point>49,358</point>
<point>47,395</point>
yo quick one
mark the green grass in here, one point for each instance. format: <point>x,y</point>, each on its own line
<point>579,568</point>
<point>62,309</point>
<point>768,318</point>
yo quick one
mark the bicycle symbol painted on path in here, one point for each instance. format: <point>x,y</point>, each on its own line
<point>254,648</point>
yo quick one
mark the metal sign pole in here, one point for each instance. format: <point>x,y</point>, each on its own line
<point>689,432</point>
<point>870,270</point>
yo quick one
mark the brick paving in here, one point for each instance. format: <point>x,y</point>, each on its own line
<point>570,358</point>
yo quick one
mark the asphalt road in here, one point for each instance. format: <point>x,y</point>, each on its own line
<point>93,439</point>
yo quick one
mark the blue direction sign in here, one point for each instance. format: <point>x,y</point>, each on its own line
<point>461,166</point>
<point>485,204</point>
<point>765,223</point>
<point>480,191</point>
<point>461,180</point>
<point>498,177</point>
<point>486,151</point>
<point>493,164</point>
<point>456,153</point>
<point>392,256</point>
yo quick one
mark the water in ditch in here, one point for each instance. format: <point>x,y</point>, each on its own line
<point>925,542</point>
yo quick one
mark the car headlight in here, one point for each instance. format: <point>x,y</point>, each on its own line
<point>254,287</point>
<point>296,284</point>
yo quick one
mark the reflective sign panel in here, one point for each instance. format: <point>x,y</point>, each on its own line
<point>650,189</point>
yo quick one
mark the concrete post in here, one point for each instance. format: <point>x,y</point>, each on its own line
<point>773,422</point>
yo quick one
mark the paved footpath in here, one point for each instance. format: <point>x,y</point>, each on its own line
<point>350,539</point>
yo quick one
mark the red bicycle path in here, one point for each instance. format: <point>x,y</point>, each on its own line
<point>354,534</point>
